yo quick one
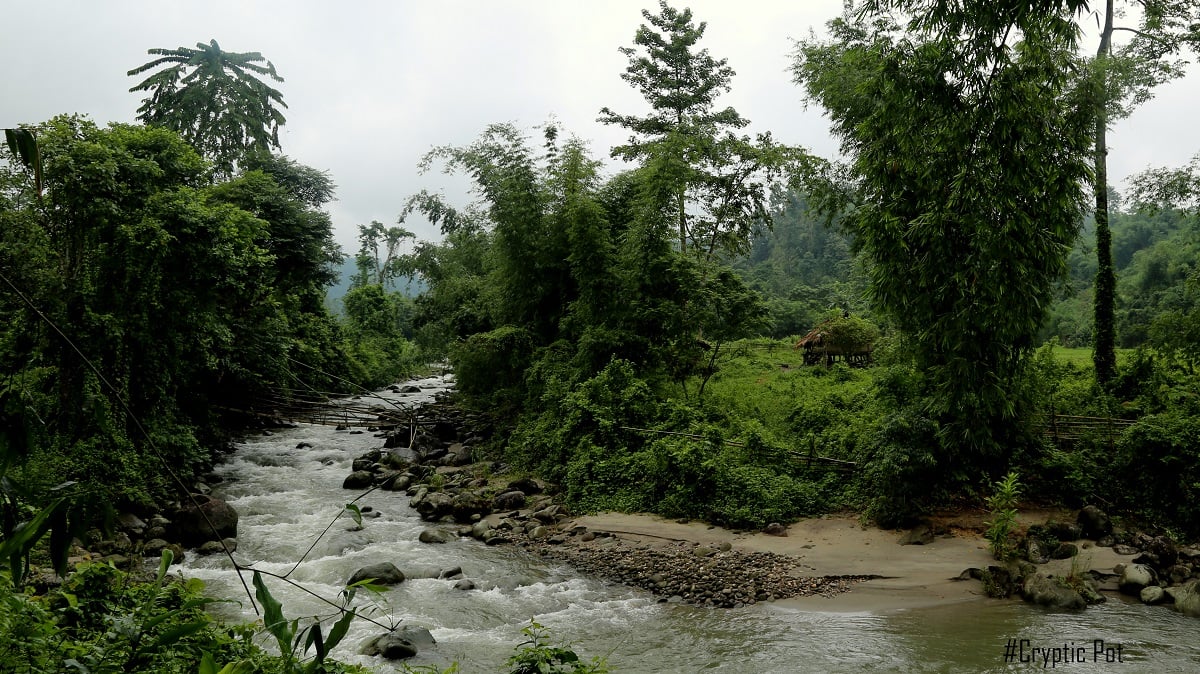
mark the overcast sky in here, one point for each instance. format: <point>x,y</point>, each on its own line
<point>372,85</point>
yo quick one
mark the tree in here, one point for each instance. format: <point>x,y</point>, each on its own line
<point>1123,78</point>
<point>968,152</point>
<point>215,100</point>
<point>379,260</point>
<point>710,181</point>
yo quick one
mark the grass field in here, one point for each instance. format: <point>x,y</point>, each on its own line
<point>1082,356</point>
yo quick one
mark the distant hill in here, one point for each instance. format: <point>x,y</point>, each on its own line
<point>334,294</point>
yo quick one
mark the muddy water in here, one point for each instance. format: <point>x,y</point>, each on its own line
<point>286,496</point>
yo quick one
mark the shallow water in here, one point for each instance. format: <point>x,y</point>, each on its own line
<point>286,496</point>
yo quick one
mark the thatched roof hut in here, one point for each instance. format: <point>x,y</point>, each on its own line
<point>839,337</point>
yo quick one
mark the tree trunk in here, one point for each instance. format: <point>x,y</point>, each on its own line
<point>1103,354</point>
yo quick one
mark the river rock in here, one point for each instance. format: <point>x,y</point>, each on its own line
<point>1134,577</point>
<point>362,465</point>
<point>436,536</point>
<point>384,573</point>
<point>481,530</point>
<point>775,529</point>
<point>359,479</point>
<point>1064,551</point>
<point>435,506</point>
<point>400,437</point>
<point>1123,549</point>
<point>212,548</point>
<point>1064,531</point>
<point>1051,592</point>
<point>410,388</point>
<point>192,528</point>
<point>548,515</point>
<point>468,507</point>
<point>1187,598</point>
<point>465,584</point>
<point>509,500</point>
<point>922,534</point>
<point>390,646</point>
<point>452,573</point>
<point>1094,522</point>
<point>526,485</point>
<point>131,523</point>
<point>1152,594</point>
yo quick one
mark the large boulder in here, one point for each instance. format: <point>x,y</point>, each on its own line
<point>203,519</point>
<point>1051,592</point>
<point>384,573</point>
<point>1187,598</point>
<point>1094,522</point>
<point>359,479</point>
<point>436,536</point>
<point>526,485</point>
<point>435,506</point>
<point>1134,577</point>
<point>509,500</point>
<point>391,646</point>
<point>466,506</point>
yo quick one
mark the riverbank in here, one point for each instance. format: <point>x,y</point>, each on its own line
<point>886,575</point>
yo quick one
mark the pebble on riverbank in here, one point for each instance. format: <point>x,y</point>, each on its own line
<point>685,572</point>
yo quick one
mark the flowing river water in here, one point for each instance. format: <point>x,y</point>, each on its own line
<point>287,495</point>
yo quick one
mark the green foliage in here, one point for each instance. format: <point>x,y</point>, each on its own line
<point>493,363</point>
<point>966,228</point>
<point>98,621</point>
<point>536,655</point>
<point>704,179</point>
<point>170,293</point>
<point>1158,460</point>
<point>215,100</point>
<point>1003,506</point>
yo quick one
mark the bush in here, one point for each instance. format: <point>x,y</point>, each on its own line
<point>1158,459</point>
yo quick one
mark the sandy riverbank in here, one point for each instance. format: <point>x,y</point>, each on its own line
<point>908,576</point>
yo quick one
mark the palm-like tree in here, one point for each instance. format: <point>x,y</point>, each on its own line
<point>215,100</point>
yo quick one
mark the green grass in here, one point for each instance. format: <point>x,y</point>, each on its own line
<point>1082,356</point>
<point>766,383</point>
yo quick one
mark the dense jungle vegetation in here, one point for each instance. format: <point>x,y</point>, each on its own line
<point>631,333</point>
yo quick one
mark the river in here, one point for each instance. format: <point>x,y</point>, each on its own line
<point>286,495</point>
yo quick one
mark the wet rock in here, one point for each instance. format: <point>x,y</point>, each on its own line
<point>775,529</point>
<point>384,573</point>
<point>361,465</point>
<point>1051,592</point>
<point>1187,598</point>
<point>451,573</point>
<point>191,524</point>
<point>1134,577</point>
<point>1123,549</point>
<point>435,506</point>
<point>481,530</point>
<point>359,479</point>
<point>1152,594</point>
<point>436,536</point>
<point>465,584</point>
<point>1094,523</point>
<point>1064,531</point>
<point>468,507</point>
<point>1064,551</point>
<point>211,548</point>
<point>390,646</point>
<point>410,388</point>
<point>304,445</point>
